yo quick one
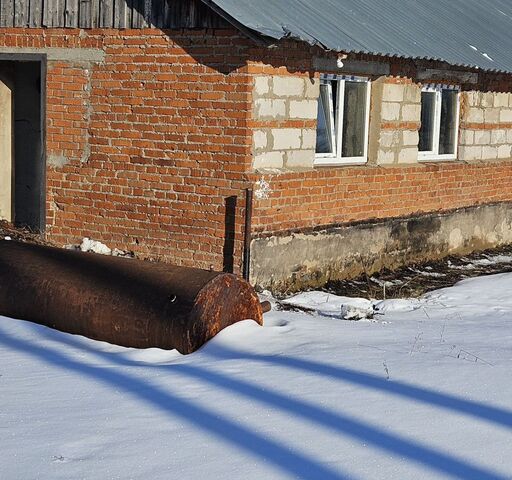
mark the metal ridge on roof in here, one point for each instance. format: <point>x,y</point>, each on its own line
<point>469,33</point>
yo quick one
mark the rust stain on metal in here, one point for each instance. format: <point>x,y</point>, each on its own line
<point>122,301</point>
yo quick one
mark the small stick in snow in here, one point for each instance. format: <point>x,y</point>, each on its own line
<point>416,340</point>
<point>386,369</point>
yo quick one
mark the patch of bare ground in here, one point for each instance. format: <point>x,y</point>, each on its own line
<point>418,279</point>
<point>8,231</point>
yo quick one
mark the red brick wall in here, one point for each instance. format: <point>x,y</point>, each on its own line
<point>154,139</point>
<point>323,197</point>
<point>330,196</point>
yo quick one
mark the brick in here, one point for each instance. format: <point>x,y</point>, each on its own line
<point>487,99</point>
<point>501,100</point>
<point>412,94</point>
<point>411,113</point>
<point>169,137</point>
<point>489,153</point>
<point>473,99</point>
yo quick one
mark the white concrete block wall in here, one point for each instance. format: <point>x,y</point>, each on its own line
<point>486,126</point>
<point>285,109</point>
<point>394,122</point>
<point>279,101</point>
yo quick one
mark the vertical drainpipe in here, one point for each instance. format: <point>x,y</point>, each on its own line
<point>247,233</point>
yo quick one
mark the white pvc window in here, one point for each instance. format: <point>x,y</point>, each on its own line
<point>439,123</point>
<point>343,118</point>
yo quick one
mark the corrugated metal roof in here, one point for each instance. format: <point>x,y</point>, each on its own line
<point>472,33</point>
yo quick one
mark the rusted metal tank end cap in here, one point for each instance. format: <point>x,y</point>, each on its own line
<point>225,300</point>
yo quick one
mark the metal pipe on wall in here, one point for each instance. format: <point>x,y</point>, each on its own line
<point>249,199</point>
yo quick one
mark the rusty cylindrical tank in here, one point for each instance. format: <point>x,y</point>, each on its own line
<point>121,301</point>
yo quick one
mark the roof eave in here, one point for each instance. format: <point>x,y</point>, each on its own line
<point>256,37</point>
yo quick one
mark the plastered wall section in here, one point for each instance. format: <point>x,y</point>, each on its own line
<point>284,120</point>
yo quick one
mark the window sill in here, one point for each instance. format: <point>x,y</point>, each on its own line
<point>437,158</point>
<point>337,162</point>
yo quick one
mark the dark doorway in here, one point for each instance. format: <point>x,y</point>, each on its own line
<point>26,75</point>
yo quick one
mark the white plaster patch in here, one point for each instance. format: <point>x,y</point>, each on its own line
<point>263,190</point>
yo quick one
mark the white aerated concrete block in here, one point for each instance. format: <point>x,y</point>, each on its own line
<point>287,138</point>
<point>470,153</point>
<point>392,92</point>
<point>288,86</point>
<point>260,140</point>
<point>411,138</point>
<point>482,137</point>
<point>304,109</point>
<point>270,108</point>
<point>312,88</point>
<point>390,112</point>
<point>308,139</point>
<point>504,151</point>
<point>408,155</point>
<point>269,160</point>
<point>506,115</point>
<point>300,158</point>
<point>475,115</point>
<point>498,137</point>
<point>262,85</point>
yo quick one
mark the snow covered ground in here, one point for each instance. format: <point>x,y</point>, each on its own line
<point>423,391</point>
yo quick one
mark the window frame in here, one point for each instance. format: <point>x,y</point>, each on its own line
<point>332,159</point>
<point>434,155</point>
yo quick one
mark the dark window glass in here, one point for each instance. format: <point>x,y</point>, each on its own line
<point>428,112</point>
<point>447,133</point>
<point>324,142</point>
<point>354,119</point>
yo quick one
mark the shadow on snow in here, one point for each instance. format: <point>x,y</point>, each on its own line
<point>291,462</point>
